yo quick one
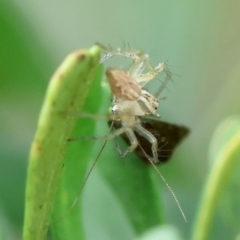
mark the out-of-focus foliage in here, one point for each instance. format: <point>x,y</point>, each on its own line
<point>222,181</point>
<point>200,40</point>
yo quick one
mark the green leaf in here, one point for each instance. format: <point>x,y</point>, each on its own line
<point>66,94</point>
<point>224,156</point>
<point>67,216</point>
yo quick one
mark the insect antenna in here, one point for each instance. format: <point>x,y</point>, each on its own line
<point>165,181</point>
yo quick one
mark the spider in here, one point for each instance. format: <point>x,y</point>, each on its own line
<point>131,101</point>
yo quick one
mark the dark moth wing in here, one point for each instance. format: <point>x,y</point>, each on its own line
<point>168,136</point>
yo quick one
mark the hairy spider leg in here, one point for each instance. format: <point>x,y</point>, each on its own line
<point>140,62</point>
<point>133,54</point>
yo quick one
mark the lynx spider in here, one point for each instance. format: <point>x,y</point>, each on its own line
<point>130,100</point>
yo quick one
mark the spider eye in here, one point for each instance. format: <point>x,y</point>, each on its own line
<point>114,109</point>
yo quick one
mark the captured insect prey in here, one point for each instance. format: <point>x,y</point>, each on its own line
<point>168,137</point>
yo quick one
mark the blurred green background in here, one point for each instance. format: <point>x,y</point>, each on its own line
<point>199,39</point>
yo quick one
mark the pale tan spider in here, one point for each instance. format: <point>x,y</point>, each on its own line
<point>130,100</point>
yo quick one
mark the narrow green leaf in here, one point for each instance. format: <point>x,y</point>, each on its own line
<point>225,155</point>
<point>66,93</point>
<point>67,220</point>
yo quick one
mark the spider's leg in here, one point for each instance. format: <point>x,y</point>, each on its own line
<point>136,55</point>
<point>129,54</point>
<point>168,76</point>
<point>139,64</point>
<point>143,79</point>
<point>149,136</point>
<point>133,144</point>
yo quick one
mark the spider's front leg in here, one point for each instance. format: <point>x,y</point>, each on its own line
<point>144,78</point>
<point>136,55</point>
<point>139,64</point>
<point>140,60</point>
